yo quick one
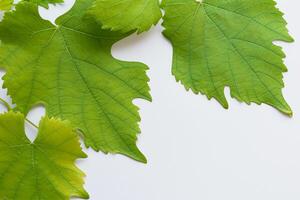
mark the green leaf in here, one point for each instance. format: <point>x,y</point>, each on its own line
<point>69,68</point>
<point>6,4</point>
<point>127,15</point>
<point>228,43</point>
<point>43,169</point>
<point>45,3</point>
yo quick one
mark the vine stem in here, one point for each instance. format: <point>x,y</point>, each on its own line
<point>10,108</point>
<point>31,123</point>
<point>5,104</point>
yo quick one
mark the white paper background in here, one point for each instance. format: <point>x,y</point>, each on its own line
<point>196,149</point>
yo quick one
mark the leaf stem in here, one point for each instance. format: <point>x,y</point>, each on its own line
<point>5,104</point>
<point>10,108</point>
<point>31,123</point>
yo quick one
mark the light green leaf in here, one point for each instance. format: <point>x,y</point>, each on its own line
<point>69,68</point>
<point>228,43</point>
<point>45,3</point>
<point>43,169</point>
<point>6,4</point>
<point>127,15</point>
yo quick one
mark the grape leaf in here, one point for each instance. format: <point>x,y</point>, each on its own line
<point>45,3</point>
<point>127,15</point>
<point>69,68</point>
<point>6,4</point>
<point>43,169</point>
<point>228,43</point>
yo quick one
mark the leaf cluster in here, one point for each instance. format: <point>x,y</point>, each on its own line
<point>68,68</point>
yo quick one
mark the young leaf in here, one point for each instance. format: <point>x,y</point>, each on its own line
<point>127,15</point>
<point>43,169</point>
<point>69,68</point>
<point>6,4</point>
<point>45,3</point>
<point>228,43</point>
